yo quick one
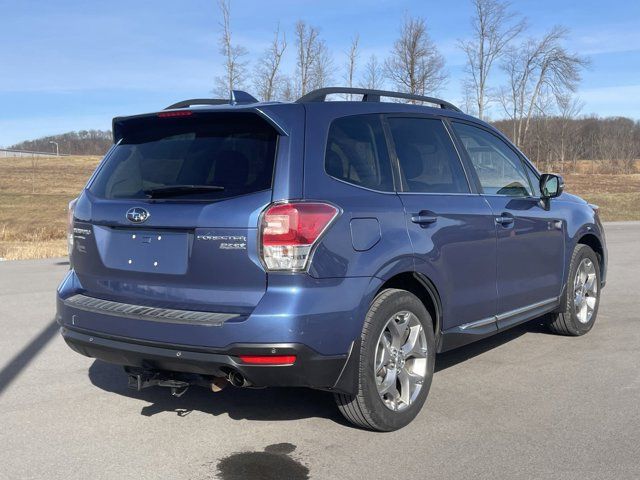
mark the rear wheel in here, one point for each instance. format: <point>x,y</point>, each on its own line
<point>397,357</point>
<point>583,295</point>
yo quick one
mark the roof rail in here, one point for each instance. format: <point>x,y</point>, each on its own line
<point>235,97</point>
<point>369,95</point>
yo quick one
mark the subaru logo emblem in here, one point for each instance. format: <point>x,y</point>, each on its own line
<point>137,215</point>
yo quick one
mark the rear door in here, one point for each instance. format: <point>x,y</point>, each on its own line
<point>530,263</point>
<point>450,225</point>
<point>170,218</point>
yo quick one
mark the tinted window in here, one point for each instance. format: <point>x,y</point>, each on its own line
<point>428,160</point>
<point>356,152</point>
<point>498,167</point>
<point>535,180</point>
<point>231,154</point>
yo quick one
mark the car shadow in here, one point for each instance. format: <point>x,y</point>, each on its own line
<point>269,404</point>
<point>462,354</point>
<point>264,404</point>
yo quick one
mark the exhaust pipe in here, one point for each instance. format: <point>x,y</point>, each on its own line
<point>218,384</point>
<point>237,379</point>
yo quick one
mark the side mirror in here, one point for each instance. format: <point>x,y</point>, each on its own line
<point>551,185</point>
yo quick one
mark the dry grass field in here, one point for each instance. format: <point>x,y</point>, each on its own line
<point>33,208</point>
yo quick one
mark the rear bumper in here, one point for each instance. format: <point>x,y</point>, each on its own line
<point>309,370</point>
<point>318,320</point>
<point>325,315</point>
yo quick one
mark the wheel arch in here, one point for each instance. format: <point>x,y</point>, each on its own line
<point>592,241</point>
<point>411,281</point>
<point>423,288</point>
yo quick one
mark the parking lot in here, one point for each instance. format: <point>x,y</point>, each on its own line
<point>524,404</point>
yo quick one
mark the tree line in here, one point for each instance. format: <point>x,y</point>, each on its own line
<point>556,143</point>
<point>83,142</point>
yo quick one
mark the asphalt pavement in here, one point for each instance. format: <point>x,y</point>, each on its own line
<point>523,404</point>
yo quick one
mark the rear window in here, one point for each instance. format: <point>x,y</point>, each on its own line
<point>205,156</point>
<point>357,152</point>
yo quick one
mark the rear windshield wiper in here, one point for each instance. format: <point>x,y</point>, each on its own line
<point>174,190</point>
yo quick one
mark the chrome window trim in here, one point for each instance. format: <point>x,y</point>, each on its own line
<point>442,194</point>
<point>387,192</point>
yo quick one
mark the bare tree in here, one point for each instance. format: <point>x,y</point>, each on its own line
<point>569,107</point>
<point>307,39</point>
<point>415,65</point>
<point>615,146</point>
<point>352,58</point>
<point>288,90</point>
<point>373,76</point>
<point>235,67</point>
<point>322,71</point>
<point>494,27</point>
<point>538,67</point>
<point>468,103</point>
<point>268,79</point>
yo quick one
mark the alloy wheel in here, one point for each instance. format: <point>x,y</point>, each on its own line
<point>585,291</point>
<point>401,361</point>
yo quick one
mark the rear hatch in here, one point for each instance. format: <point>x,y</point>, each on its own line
<point>170,217</point>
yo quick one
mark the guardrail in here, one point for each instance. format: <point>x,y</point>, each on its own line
<point>10,153</point>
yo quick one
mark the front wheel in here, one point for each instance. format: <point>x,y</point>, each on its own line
<point>580,309</point>
<point>397,358</point>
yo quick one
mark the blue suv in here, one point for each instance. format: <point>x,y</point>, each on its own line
<point>336,245</point>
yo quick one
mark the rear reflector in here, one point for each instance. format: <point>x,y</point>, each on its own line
<point>290,230</point>
<point>70,212</point>
<point>268,359</point>
<point>176,113</point>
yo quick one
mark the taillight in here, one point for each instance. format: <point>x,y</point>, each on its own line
<point>290,230</point>
<point>71,209</point>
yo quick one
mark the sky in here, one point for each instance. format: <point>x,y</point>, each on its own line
<point>72,65</point>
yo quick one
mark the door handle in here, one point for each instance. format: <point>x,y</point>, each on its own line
<point>423,219</point>
<point>504,219</point>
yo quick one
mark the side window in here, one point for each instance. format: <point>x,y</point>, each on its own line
<point>535,180</point>
<point>357,153</point>
<point>499,168</point>
<point>428,160</point>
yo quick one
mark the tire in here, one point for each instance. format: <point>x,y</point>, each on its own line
<point>392,314</point>
<point>570,320</point>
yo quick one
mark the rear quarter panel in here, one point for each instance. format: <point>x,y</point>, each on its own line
<point>350,247</point>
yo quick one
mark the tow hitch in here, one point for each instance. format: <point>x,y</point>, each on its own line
<point>179,383</point>
<point>139,379</point>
